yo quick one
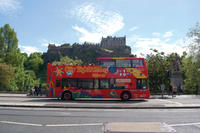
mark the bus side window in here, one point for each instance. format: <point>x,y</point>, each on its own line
<point>141,83</point>
<point>104,83</point>
<point>123,63</point>
<point>85,83</point>
<point>58,83</point>
<point>107,63</point>
<point>72,83</point>
<point>64,83</point>
<point>96,83</point>
<point>112,83</point>
<point>137,63</point>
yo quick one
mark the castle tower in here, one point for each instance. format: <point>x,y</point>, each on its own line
<point>113,42</point>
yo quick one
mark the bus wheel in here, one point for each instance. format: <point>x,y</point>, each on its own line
<point>67,96</point>
<point>125,96</point>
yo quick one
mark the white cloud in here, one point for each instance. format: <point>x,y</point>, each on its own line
<point>156,34</point>
<point>141,46</point>
<point>168,34</point>
<point>45,43</point>
<point>99,22</point>
<point>28,49</point>
<point>88,36</point>
<point>134,28</point>
<point>8,7</point>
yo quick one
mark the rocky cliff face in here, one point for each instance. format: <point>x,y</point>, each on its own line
<point>87,52</point>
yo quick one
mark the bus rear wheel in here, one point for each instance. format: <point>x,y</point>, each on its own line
<point>125,96</point>
<point>67,96</point>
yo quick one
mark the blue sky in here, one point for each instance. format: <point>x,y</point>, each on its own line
<point>160,24</point>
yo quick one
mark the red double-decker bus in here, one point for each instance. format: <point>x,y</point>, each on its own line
<point>122,78</point>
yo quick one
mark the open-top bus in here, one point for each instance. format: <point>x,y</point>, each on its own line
<point>123,78</point>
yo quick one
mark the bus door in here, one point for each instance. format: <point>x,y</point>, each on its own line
<point>141,86</point>
<point>57,88</point>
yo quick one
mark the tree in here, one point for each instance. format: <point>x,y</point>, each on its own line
<point>34,62</point>
<point>67,61</point>
<point>15,58</point>
<point>191,61</point>
<point>6,75</point>
<point>194,37</point>
<point>8,39</point>
<point>29,80</point>
<point>157,67</point>
<point>2,44</point>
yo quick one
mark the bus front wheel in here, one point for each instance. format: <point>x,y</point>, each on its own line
<point>67,96</point>
<point>125,96</point>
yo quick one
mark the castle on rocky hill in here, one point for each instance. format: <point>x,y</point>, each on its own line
<point>108,43</point>
<point>89,52</point>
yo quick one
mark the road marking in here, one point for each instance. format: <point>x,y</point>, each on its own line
<point>170,102</point>
<point>169,127</point>
<point>19,123</point>
<point>75,125</point>
<point>92,110</point>
<point>185,124</point>
<point>198,126</point>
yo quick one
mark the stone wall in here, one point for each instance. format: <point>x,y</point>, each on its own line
<point>113,42</point>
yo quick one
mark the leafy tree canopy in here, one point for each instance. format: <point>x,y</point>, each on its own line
<point>6,74</point>
<point>34,62</point>
<point>67,61</point>
<point>8,39</point>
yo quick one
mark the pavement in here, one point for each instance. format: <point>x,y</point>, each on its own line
<point>155,102</point>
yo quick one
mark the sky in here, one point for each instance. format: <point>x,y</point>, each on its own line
<point>156,24</point>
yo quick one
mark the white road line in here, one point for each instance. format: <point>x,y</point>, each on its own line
<point>198,126</point>
<point>92,110</point>
<point>170,102</point>
<point>185,124</point>
<point>114,110</point>
<point>19,123</point>
<point>75,125</point>
<point>169,128</point>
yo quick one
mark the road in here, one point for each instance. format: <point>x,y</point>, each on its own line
<point>49,120</point>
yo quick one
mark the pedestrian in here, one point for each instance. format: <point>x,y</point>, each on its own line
<point>40,90</point>
<point>36,90</point>
<point>174,91</point>
<point>170,90</point>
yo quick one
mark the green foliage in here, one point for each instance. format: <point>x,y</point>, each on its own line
<point>15,58</point>
<point>191,62</point>
<point>8,39</point>
<point>29,80</point>
<point>13,77</point>
<point>191,69</point>
<point>34,62</point>
<point>158,66</point>
<point>6,75</point>
<point>19,78</point>
<point>67,61</point>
